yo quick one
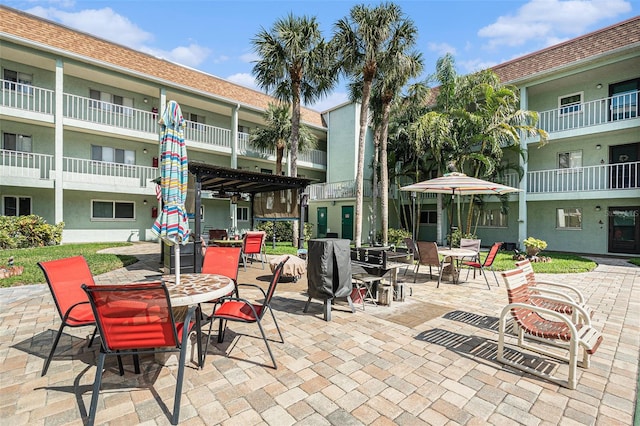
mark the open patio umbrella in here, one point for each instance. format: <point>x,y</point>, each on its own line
<point>459,184</point>
<point>172,225</point>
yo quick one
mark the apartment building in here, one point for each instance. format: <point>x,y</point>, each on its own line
<point>78,119</point>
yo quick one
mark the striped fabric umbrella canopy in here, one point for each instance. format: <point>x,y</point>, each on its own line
<point>172,225</point>
<point>459,184</point>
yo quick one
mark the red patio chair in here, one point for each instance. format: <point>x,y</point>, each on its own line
<point>242,310</point>
<point>224,261</point>
<point>488,263</point>
<point>544,326</point>
<point>137,319</point>
<point>252,244</point>
<point>65,277</point>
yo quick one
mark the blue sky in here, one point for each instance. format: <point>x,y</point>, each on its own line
<point>214,36</point>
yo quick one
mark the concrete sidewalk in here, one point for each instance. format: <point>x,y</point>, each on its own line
<point>428,360</point>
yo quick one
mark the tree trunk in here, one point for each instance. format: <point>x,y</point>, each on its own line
<point>384,174</point>
<point>376,187</point>
<point>295,136</point>
<point>364,116</point>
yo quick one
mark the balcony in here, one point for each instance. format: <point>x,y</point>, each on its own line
<point>616,108</point>
<point>337,190</point>
<point>603,177</point>
<point>110,117</point>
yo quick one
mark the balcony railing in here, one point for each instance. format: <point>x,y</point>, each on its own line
<point>601,111</point>
<point>314,156</point>
<point>103,172</point>
<point>25,164</point>
<point>591,178</point>
<point>337,190</point>
<point>26,97</point>
<point>209,135</point>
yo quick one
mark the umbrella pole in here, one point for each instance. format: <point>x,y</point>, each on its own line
<point>176,252</point>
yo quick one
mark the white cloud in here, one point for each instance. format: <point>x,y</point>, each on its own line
<point>249,57</point>
<point>107,24</point>
<point>548,21</point>
<point>243,79</point>
<point>441,48</point>
<point>473,65</point>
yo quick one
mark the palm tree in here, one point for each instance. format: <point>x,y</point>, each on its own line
<point>361,41</point>
<point>294,64</point>
<point>277,133</point>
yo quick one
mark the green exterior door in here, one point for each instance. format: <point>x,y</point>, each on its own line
<point>322,222</point>
<point>347,222</point>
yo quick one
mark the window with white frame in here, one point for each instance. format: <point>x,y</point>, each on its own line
<point>242,214</point>
<point>108,102</point>
<point>569,159</point>
<point>15,142</point>
<point>16,206</point>
<point>18,81</point>
<point>569,218</point>
<point>493,218</point>
<point>112,210</point>
<point>112,155</point>
<point>570,103</point>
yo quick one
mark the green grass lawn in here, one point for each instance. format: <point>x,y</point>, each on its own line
<point>29,258</point>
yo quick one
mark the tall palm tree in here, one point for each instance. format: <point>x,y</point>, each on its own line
<point>361,41</point>
<point>294,65</point>
<point>277,133</point>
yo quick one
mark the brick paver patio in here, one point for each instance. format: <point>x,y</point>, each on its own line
<point>379,366</point>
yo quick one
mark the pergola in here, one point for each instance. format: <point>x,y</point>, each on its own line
<point>224,181</point>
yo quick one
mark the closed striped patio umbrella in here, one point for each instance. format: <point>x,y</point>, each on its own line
<point>172,225</point>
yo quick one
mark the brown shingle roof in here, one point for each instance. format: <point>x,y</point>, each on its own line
<point>622,34</point>
<point>42,31</point>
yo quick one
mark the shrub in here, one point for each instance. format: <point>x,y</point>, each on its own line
<point>396,236</point>
<point>28,231</point>
<point>535,243</point>
<point>283,230</point>
<point>457,236</point>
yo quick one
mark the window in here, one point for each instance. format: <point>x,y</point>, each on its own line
<point>18,81</point>
<point>17,206</point>
<point>109,102</point>
<point>429,217</point>
<point>570,103</point>
<point>196,121</point>
<point>112,210</point>
<point>244,129</point>
<point>570,218</point>
<point>267,171</point>
<point>624,99</point>
<point>13,142</point>
<point>493,218</point>
<point>112,155</point>
<point>569,160</point>
<point>243,214</point>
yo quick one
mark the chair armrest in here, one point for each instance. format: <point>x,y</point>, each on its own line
<point>66,314</point>
<point>579,295</point>
<point>553,293</point>
<point>264,294</point>
<point>586,318</point>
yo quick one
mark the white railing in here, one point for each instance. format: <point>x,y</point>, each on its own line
<point>27,97</point>
<point>210,135</point>
<point>25,164</point>
<point>314,156</point>
<point>591,178</point>
<point>600,111</point>
<point>79,168</point>
<point>336,190</point>
<point>109,114</point>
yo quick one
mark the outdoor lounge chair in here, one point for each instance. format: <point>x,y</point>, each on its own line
<point>137,319</point>
<point>242,310</point>
<point>563,292</point>
<point>64,278</point>
<point>545,327</point>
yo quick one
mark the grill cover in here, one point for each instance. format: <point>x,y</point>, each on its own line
<point>329,268</point>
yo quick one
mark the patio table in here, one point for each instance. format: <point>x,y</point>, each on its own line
<point>455,254</point>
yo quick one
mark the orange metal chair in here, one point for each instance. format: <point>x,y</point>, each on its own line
<point>65,277</point>
<point>252,244</point>
<point>488,263</point>
<point>544,326</point>
<point>242,310</point>
<point>137,319</point>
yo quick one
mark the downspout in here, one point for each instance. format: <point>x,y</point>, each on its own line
<point>59,144</point>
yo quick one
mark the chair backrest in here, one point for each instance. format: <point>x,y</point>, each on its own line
<point>272,285</point>
<point>518,291</point>
<point>470,244</point>
<point>253,241</point>
<point>411,245</point>
<point>493,252</point>
<point>222,260</point>
<point>428,251</point>
<point>133,316</point>
<point>65,278</point>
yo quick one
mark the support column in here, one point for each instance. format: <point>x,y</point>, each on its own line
<point>522,195</point>
<point>58,149</point>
